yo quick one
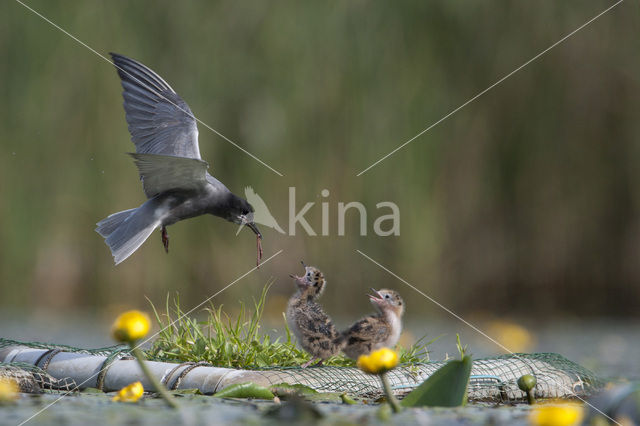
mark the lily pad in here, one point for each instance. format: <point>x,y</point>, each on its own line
<point>92,390</point>
<point>346,399</point>
<point>194,391</point>
<point>324,397</point>
<point>286,389</point>
<point>245,390</point>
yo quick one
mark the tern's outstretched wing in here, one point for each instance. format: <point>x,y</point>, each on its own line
<point>160,173</point>
<point>160,122</point>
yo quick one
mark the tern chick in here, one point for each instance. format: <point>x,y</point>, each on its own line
<point>376,331</point>
<point>308,321</point>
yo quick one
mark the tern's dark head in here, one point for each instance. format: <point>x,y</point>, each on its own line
<point>237,210</point>
<point>312,282</point>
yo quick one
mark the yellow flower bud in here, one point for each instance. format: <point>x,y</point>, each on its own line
<point>130,393</point>
<point>130,326</point>
<point>556,415</point>
<point>8,390</point>
<point>378,362</point>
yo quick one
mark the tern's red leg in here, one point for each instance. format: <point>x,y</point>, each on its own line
<point>165,239</point>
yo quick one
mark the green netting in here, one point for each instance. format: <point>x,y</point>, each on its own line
<point>108,350</point>
<point>492,379</point>
<point>32,379</point>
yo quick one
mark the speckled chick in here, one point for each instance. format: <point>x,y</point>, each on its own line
<point>308,321</point>
<point>376,331</point>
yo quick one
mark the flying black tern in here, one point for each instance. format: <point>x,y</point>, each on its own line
<point>174,176</point>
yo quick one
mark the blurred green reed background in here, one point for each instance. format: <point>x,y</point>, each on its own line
<point>525,202</point>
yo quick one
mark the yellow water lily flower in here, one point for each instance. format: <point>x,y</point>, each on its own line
<point>556,415</point>
<point>130,326</point>
<point>8,390</point>
<point>130,393</point>
<point>378,362</point>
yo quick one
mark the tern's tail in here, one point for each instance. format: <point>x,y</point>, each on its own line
<point>125,231</point>
<point>109,224</point>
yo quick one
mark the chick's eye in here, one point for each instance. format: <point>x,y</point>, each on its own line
<point>309,274</point>
<point>386,296</point>
<point>245,212</point>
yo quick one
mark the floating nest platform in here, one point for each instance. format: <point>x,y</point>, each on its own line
<point>57,367</point>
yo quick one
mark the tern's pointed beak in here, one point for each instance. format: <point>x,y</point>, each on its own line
<point>254,228</point>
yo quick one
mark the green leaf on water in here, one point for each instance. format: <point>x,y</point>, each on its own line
<point>194,391</point>
<point>447,387</point>
<point>346,399</point>
<point>324,397</point>
<point>92,390</point>
<point>286,389</point>
<point>245,390</point>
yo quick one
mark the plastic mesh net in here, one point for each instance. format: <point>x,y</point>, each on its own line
<point>492,379</point>
<point>32,379</point>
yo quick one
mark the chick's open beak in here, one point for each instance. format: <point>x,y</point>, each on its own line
<point>301,281</point>
<point>378,297</point>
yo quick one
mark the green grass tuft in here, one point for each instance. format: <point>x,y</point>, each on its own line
<point>224,342</point>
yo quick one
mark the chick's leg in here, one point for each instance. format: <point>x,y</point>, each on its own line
<point>308,363</point>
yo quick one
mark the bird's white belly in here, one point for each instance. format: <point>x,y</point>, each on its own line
<point>396,328</point>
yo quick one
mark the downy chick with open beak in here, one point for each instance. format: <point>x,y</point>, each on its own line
<point>376,331</point>
<point>311,325</point>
